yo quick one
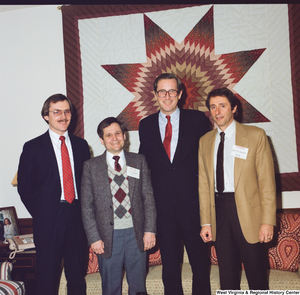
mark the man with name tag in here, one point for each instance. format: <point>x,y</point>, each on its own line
<point>118,210</point>
<point>237,193</point>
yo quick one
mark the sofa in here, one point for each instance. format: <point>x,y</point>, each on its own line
<point>7,286</point>
<point>284,258</point>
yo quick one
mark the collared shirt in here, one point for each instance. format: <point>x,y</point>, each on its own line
<point>162,121</point>
<point>228,158</point>
<point>111,161</point>
<point>56,143</point>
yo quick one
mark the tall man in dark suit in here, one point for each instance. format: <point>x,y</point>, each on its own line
<point>49,183</point>
<point>118,210</point>
<point>237,205</point>
<point>169,140</point>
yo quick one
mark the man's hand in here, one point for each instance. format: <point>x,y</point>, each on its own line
<point>266,233</point>
<point>149,241</point>
<point>98,247</point>
<point>205,233</point>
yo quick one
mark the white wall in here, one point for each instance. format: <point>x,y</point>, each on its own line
<point>32,69</point>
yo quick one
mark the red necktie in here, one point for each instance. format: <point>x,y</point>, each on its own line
<point>69,191</point>
<point>117,165</point>
<point>220,164</point>
<point>168,136</point>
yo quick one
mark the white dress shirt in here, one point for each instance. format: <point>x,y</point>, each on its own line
<point>56,143</point>
<point>111,161</point>
<point>229,142</point>
<point>162,122</point>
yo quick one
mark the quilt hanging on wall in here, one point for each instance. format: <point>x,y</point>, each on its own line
<point>113,53</point>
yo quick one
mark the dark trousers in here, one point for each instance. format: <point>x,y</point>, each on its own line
<point>232,249</point>
<point>68,244</point>
<point>170,234</point>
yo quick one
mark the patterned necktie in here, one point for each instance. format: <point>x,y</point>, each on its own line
<point>168,136</point>
<point>69,191</point>
<point>220,164</point>
<point>117,165</point>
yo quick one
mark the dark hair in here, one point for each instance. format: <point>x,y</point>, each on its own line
<point>7,220</point>
<point>54,99</point>
<point>225,92</point>
<point>167,76</point>
<point>107,122</point>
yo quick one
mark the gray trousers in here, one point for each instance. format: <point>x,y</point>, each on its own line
<point>125,255</point>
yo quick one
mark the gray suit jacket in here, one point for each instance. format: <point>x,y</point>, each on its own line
<point>97,206</point>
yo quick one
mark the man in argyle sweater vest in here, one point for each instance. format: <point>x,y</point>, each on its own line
<point>118,211</point>
<point>121,201</point>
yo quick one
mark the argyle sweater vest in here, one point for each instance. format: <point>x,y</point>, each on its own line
<point>120,197</point>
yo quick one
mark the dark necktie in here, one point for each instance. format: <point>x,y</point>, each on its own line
<point>68,183</point>
<point>117,165</point>
<point>220,164</point>
<point>168,136</point>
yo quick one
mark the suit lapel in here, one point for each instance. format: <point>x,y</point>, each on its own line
<point>50,159</point>
<point>157,138</point>
<point>49,152</point>
<point>101,174</point>
<point>130,162</point>
<point>240,140</point>
<point>76,155</point>
<point>210,143</point>
<point>180,143</point>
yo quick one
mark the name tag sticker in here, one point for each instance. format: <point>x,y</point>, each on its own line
<point>239,152</point>
<point>133,172</point>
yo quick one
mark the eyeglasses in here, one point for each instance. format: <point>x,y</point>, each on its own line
<point>162,93</point>
<point>58,113</point>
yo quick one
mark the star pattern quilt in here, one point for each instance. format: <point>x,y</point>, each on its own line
<point>113,53</point>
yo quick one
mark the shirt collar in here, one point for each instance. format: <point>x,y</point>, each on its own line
<point>109,155</point>
<point>173,116</point>
<point>230,130</point>
<point>54,136</point>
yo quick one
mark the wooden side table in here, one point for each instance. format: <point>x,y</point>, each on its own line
<point>24,268</point>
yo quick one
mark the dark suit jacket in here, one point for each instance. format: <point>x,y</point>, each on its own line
<point>39,184</point>
<point>175,184</point>
<point>97,206</point>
